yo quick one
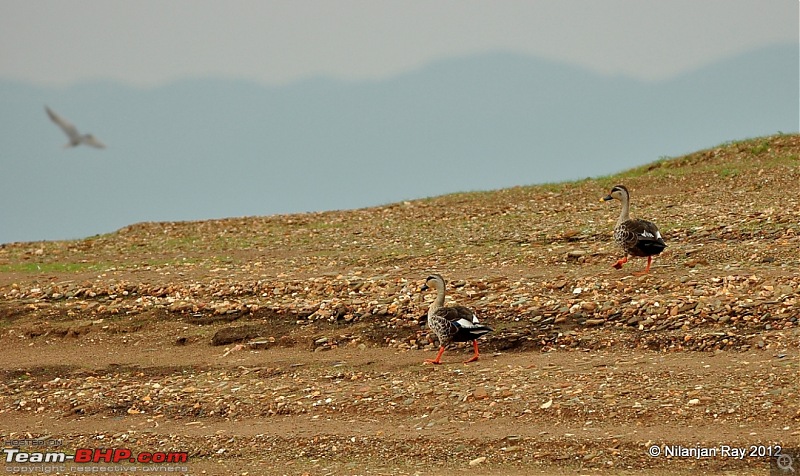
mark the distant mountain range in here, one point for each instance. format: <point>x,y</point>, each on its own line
<point>209,148</point>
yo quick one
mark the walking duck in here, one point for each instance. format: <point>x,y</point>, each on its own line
<point>451,323</point>
<point>636,237</point>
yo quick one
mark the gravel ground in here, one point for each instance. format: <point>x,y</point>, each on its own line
<point>291,344</point>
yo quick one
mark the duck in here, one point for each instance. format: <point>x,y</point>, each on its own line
<point>636,237</point>
<point>75,137</point>
<point>451,323</point>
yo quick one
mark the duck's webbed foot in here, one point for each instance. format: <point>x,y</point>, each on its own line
<point>438,359</point>
<point>646,269</point>
<point>476,355</point>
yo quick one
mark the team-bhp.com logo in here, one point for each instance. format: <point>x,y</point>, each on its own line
<point>94,455</point>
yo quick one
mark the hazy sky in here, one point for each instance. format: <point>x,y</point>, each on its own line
<point>150,42</point>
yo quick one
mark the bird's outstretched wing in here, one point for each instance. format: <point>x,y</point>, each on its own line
<point>89,139</point>
<point>75,138</point>
<point>65,125</point>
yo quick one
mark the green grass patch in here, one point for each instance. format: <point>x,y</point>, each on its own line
<point>51,267</point>
<point>759,147</point>
<point>726,172</point>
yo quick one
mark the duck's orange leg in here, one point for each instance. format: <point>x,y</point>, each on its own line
<point>618,264</point>
<point>474,357</point>
<point>438,359</point>
<point>646,268</point>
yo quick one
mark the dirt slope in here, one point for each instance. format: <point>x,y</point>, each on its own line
<point>109,341</point>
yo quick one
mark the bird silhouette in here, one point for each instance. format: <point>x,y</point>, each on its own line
<point>75,137</point>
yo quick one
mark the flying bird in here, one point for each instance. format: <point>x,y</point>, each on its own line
<point>75,137</point>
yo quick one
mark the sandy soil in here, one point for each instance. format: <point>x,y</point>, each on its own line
<point>291,344</point>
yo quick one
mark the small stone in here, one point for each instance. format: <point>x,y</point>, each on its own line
<point>480,393</point>
<point>477,461</point>
<point>559,284</point>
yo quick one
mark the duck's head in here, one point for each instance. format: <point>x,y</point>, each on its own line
<point>433,281</point>
<point>618,192</point>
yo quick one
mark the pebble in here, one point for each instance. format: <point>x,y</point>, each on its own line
<point>480,393</point>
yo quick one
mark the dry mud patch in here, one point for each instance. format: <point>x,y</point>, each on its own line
<point>377,410</point>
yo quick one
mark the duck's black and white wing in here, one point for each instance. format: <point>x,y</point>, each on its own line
<point>644,238</point>
<point>445,324</point>
<point>463,324</point>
